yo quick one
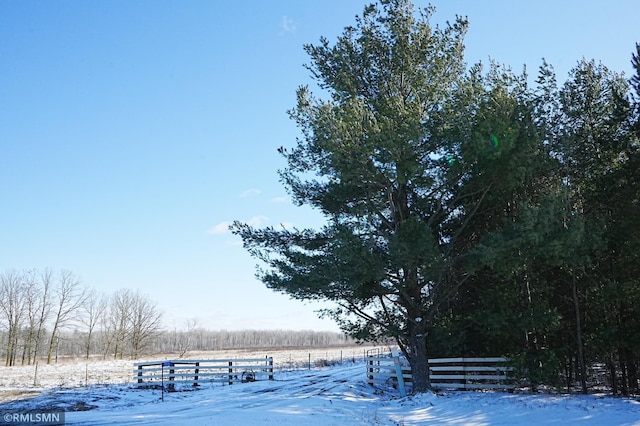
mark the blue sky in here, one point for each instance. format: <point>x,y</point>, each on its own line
<point>133,132</point>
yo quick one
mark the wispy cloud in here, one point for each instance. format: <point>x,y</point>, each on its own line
<point>257,221</point>
<point>280,200</point>
<point>220,229</point>
<point>251,192</point>
<point>287,25</point>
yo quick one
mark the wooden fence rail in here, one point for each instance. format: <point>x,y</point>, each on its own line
<point>446,373</point>
<point>195,372</point>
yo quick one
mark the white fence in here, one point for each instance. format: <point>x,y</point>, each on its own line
<point>195,372</point>
<point>445,373</point>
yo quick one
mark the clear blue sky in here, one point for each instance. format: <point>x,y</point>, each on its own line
<point>132,132</point>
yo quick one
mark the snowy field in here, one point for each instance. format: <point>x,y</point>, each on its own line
<point>101,393</point>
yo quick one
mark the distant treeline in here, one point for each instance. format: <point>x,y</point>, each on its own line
<point>181,342</point>
<point>46,314</point>
<point>202,340</point>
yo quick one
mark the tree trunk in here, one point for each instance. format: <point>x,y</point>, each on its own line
<point>623,370</point>
<point>419,362</point>
<point>26,348</point>
<point>52,342</point>
<point>38,337</point>
<point>15,348</point>
<point>581,360</point>
<point>567,372</point>
<point>614,375</point>
<point>88,347</point>
<point>416,331</point>
<point>9,347</point>
<point>632,371</point>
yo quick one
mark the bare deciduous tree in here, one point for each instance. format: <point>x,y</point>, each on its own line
<point>131,322</point>
<point>46,277</point>
<point>12,307</point>
<point>116,320</point>
<point>145,322</point>
<point>69,296</point>
<point>32,310</point>
<point>185,339</point>
<point>93,309</point>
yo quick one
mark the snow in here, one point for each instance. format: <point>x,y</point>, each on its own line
<point>325,396</point>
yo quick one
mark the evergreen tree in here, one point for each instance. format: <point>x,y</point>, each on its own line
<point>617,295</point>
<point>377,150</point>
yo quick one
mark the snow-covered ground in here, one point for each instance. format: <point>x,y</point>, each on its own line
<point>325,396</point>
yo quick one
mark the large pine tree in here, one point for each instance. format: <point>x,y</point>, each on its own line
<point>372,160</point>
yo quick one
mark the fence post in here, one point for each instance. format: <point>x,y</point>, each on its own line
<point>230,372</point>
<point>271,368</point>
<point>195,379</point>
<point>464,373</point>
<point>401,387</point>
<point>370,370</point>
<point>139,373</point>
<point>172,386</point>
<point>396,362</point>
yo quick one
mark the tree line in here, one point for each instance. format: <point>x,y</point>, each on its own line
<point>75,343</point>
<point>469,211</point>
<point>548,270</point>
<point>38,309</point>
<point>44,315</point>
<point>201,339</point>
